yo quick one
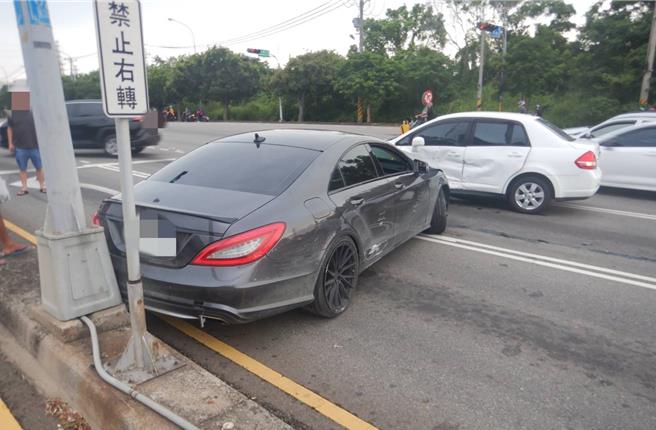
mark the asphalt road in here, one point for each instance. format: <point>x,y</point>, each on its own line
<point>506,321</point>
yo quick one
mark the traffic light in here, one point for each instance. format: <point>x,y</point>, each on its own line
<point>259,52</point>
<point>494,30</point>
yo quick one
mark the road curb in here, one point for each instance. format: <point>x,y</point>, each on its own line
<point>63,351</point>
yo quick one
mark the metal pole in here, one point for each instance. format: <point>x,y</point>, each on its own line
<point>479,95</point>
<point>279,97</point>
<point>361,29</point>
<point>646,78</point>
<point>503,58</point>
<point>131,235</point>
<point>193,38</point>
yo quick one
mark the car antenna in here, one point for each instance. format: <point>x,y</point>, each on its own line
<point>259,139</point>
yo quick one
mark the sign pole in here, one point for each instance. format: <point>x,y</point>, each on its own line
<point>140,347</point>
<point>124,91</point>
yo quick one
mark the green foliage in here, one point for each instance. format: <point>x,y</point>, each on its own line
<point>405,29</point>
<point>85,86</point>
<point>579,82</point>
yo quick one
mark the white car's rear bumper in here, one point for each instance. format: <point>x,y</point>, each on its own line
<point>579,186</point>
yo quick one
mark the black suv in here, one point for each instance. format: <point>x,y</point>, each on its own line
<point>91,129</point>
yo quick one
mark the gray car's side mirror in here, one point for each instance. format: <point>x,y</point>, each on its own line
<point>417,142</point>
<point>421,166</point>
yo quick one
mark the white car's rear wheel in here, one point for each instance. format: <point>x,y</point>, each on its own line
<point>530,195</point>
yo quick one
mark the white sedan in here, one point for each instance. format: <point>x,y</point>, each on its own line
<point>628,158</point>
<point>521,157</point>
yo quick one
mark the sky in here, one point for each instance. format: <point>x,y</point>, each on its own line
<point>212,22</point>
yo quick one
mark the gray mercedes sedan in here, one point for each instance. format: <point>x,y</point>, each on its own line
<point>255,224</point>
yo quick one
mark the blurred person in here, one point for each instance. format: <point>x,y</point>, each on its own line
<point>405,126</point>
<point>522,106</point>
<point>9,247</point>
<point>21,135</point>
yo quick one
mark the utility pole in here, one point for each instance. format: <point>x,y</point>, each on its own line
<point>479,95</point>
<point>359,25</point>
<point>76,274</point>
<point>646,78</point>
<point>503,57</point>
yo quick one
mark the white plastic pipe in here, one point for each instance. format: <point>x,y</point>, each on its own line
<point>162,410</point>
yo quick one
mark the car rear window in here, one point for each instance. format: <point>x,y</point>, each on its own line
<point>556,130</point>
<point>268,170</point>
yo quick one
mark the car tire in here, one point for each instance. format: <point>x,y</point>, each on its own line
<point>530,195</point>
<point>338,277</point>
<point>440,214</point>
<point>110,145</point>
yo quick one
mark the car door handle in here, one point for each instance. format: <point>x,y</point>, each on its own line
<point>356,201</point>
<point>398,185</point>
<point>452,153</point>
<point>515,155</point>
<point>651,154</point>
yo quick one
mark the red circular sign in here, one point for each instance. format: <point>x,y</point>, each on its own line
<point>427,97</point>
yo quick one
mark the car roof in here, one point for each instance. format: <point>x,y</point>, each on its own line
<point>318,140</point>
<point>83,101</point>
<point>648,124</point>
<point>513,116</point>
<point>632,115</point>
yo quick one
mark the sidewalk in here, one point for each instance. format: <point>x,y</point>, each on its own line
<point>62,351</point>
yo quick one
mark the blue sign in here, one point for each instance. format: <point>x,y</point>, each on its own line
<point>496,33</point>
<point>38,12</point>
<point>20,19</point>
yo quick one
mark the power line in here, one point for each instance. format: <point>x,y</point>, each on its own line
<point>290,23</point>
<point>307,16</point>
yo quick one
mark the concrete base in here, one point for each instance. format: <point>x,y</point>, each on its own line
<point>69,331</point>
<point>77,277</point>
<point>63,353</point>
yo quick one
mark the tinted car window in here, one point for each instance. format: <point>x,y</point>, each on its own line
<point>495,133</point>
<point>90,109</point>
<point>336,181</point>
<point>389,161</point>
<point>610,127</point>
<point>643,138</point>
<point>519,137</point>
<point>357,166</point>
<point>72,109</point>
<point>269,169</point>
<point>452,133</point>
<point>556,130</point>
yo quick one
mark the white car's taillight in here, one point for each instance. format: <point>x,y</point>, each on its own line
<point>242,248</point>
<point>587,161</point>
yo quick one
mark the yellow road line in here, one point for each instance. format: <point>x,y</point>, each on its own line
<point>299,392</point>
<point>7,420</point>
<point>20,232</point>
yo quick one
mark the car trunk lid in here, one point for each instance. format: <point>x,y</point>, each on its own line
<point>177,221</point>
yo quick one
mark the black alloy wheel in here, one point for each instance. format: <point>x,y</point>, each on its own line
<point>337,280</point>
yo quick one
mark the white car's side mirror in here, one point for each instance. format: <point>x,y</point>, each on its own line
<point>417,142</point>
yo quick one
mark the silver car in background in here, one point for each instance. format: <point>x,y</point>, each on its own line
<point>628,157</point>
<point>612,124</point>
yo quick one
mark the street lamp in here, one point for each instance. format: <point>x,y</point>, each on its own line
<point>193,38</point>
<point>265,53</point>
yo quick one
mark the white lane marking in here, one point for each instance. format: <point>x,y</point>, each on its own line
<point>100,188</point>
<point>32,183</point>
<point>541,260</point>
<point>179,151</point>
<point>84,161</point>
<point>136,173</point>
<point>9,172</point>
<point>608,211</point>
<point>161,160</point>
<point>163,149</point>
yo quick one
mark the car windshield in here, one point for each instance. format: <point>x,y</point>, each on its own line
<point>556,130</point>
<point>267,169</point>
